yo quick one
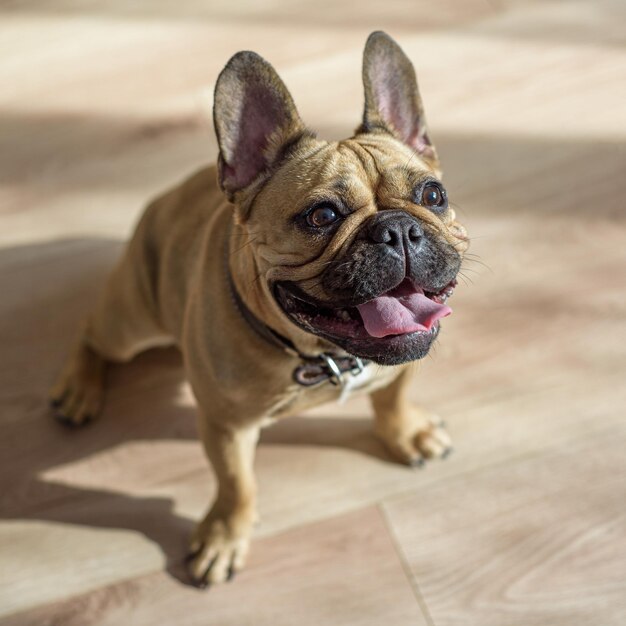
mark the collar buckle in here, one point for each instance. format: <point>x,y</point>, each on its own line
<point>328,367</point>
<point>358,367</point>
<point>335,375</point>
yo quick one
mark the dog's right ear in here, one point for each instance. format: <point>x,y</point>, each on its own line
<point>255,120</point>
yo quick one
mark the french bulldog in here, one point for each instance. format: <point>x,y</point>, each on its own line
<point>294,271</point>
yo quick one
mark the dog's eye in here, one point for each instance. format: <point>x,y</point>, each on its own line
<point>434,197</point>
<point>322,216</point>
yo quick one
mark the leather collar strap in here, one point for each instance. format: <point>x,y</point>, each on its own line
<point>313,369</point>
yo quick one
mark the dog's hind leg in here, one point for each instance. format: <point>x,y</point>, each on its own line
<point>76,397</point>
<point>122,324</point>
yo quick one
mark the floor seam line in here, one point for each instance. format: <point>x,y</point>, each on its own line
<point>417,592</point>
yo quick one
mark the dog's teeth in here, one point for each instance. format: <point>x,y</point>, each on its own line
<point>342,314</point>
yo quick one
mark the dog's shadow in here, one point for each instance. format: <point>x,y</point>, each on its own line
<point>48,288</point>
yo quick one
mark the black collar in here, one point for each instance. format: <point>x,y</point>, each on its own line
<point>312,369</point>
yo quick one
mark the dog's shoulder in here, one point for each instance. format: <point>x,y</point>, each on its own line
<point>198,193</point>
<point>183,212</point>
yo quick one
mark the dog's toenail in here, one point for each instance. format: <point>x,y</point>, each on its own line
<point>192,555</point>
<point>201,584</point>
<point>64,420</point>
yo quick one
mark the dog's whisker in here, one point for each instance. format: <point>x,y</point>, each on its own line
<point>245,245</point>
<point>466,279</point>
<point>479,262</point>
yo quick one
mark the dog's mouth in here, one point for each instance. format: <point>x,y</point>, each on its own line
<point>405,310</point>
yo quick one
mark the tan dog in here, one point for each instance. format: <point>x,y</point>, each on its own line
<point>321,259</point>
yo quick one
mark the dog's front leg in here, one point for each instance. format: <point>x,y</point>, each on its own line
<point>220,542</point>
<point>410,433</point>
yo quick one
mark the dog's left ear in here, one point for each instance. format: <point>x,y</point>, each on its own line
<point>392,99</point>
<point>255,118</point>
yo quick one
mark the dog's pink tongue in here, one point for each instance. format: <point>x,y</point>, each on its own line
<point>401,314</point>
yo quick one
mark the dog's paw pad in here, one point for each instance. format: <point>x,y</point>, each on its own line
<point>218,558</point>
<point>421,439</point>
<point>433,442</point>
<point>78,408</point>
<point>77,397</point>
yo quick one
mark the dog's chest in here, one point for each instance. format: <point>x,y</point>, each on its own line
<point>365,381</point>
<point>371,378</point>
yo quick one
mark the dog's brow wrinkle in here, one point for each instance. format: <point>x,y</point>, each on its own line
<point>357,150</point>
<point>368,164</point>
<point>340,186</point>
<point>314,151</point>
<point>369,154</point>
<point>379,178</point>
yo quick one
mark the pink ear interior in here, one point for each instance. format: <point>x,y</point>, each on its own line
<point>397,105</point>
<point>391,104</point>
<point>260,117</point>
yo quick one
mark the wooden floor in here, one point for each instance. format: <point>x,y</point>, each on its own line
<point>103,104</point>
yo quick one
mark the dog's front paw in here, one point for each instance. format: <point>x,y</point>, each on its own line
<point>218,549</point>
<point>417,436</point>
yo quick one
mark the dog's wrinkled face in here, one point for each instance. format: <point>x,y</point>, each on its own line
<point>351,243</point>
<point>362,252</point>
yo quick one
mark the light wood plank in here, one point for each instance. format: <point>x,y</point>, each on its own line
<point>533,542</point>
<point>341,571</point>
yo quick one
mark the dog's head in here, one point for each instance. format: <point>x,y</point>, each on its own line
<point>348,243</point>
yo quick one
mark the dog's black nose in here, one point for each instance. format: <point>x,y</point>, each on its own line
<point>397,229</point>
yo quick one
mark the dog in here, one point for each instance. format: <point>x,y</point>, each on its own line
<point>293,272</point>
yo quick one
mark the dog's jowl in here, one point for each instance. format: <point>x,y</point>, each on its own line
<point>294,271</point>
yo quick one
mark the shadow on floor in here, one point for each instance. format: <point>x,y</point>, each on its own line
<point>48,288</point>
